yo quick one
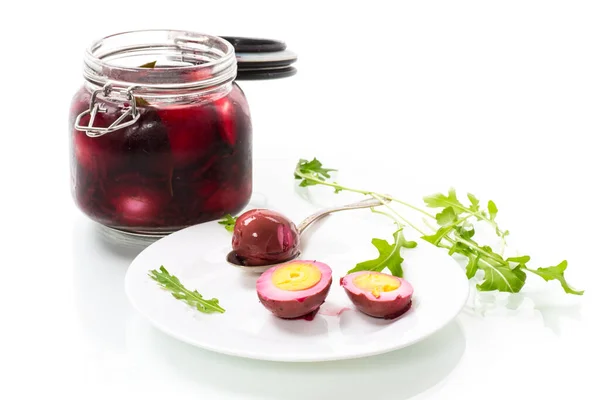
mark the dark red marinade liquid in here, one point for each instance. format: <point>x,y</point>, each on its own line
<point>310,316</point>
<point>399,313</point>
<point>307,317</point>
<point>179,165</point>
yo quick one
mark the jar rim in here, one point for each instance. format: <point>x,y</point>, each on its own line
<point>201,61</point>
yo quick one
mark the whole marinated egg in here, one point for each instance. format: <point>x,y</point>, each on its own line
<point>294,289</point>
<point>264,237</point>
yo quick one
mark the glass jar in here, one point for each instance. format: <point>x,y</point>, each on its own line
<point>161,136</point>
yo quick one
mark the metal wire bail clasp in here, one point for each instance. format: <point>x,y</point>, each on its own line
<point>95,108</point>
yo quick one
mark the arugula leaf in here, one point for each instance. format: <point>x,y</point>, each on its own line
<point>521,260</point>
<point>446,217</point>
<point>557,272</point>
<point>454,232</point>
<point>389,255</point>
<point>474,202</point>
<point>315,172</point>
<point>489,250</point>
<point>229,222</point>
<point>472,266</point>
<point>409,244</point>
<point>501,277</point>
<point>459,248</point>
<point>493,210</point>
<point>465,232</point>
<point>437,237</point>
<point>498,272</point>
<point>306,182</point>
<point>193,298</point>
<point>440,200</point>
<point>314,168</point>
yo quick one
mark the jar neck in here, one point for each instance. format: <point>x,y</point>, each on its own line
<point>161,64</point>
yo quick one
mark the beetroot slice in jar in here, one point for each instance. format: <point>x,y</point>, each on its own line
<point>146,144</point>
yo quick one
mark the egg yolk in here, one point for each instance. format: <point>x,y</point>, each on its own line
<point>296,277</point>
<point>376,283</point>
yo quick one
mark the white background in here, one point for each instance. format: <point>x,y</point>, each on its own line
<point>498,98</point>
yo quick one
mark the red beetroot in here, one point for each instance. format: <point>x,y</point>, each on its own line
<point>146,145</point>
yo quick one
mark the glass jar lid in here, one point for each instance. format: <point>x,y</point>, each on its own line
<point>259,59</point>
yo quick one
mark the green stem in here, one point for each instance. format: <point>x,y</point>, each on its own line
<point>483,217</point>
<point>480,250</point>
<point>396,220</point>
<point>449,239</point>
<point>410,206</point>
<point>397,214</point>
<point>444,246</point>
<point>397,243</point>
<point>365,192</point>
<point>429,225</point>
<point>488,256</point>
<point>333,185</point>
<point>502,246</point>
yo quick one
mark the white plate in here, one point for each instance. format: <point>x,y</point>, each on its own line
<point>196,256</point>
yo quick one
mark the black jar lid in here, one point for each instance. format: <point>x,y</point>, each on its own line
<point>259,59</point>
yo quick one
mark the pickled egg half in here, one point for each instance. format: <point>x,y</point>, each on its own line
<point>294,289</point>
<point>378,294</point>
